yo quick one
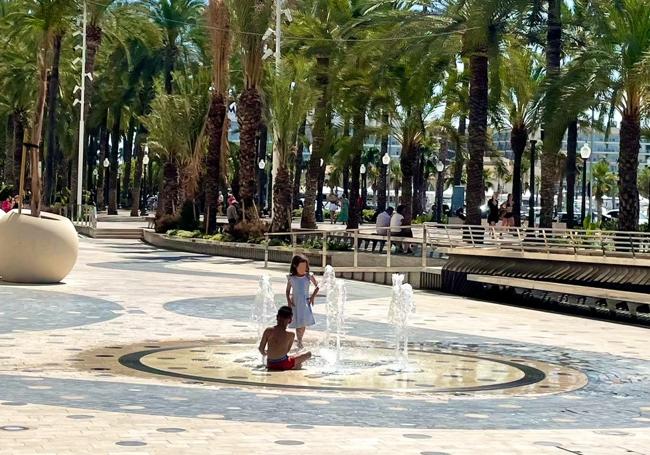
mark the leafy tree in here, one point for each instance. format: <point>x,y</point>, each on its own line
<point>289,97</point>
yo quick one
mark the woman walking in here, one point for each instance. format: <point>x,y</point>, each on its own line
<point>508,219</point>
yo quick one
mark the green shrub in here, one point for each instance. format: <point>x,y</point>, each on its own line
<point>187,234</point>
<point>421,219</point>
<point>276,241</point>
<point>297,213</point>
<point>369,215</point>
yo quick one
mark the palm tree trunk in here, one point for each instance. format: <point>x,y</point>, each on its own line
<point>628,165</point>
<point>319,200</point>
<point>358,136</point>
<point>478,110</point>
<point>114,167</point>
<point>322,120</point>
<point>168,203</point>
<point>571,154</point>
<point>139,172</point>
<point>418,176</point>
<point>555,131</point>
<point>216,123</point>
<point>281,200</point>
<point>91,157</point>
<point>249,114</point>
<point>406,164</point>
<point>19,120</point>
<point>460,151</point>
<point>52,98</point>
<point>297,167</point>
<point>103,154</point>
<point>9,175</point>
<point>518,140</point>
<point>127,190</point>
<point>381,188</point>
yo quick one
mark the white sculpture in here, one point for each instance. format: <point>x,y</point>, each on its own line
<point>37,250</point>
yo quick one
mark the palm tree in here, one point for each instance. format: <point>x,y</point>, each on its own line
<point>17,91</point>
<point>175,126</point>
<point>217,131</point>
<point>38,21</point>
<point>521,75</point>
<point>316,28</point>
<point>251,19</point>
<point>289,97</point>
<point>604,182</point>
<point>484,23</point>
<point>175,18</point>
<point>624,28</point>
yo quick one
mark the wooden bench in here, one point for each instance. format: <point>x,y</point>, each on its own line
<point>633,299</point>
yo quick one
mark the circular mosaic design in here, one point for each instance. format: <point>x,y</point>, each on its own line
<point>34,310</point>
<point>362,368</point>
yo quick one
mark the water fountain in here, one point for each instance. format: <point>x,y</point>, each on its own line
<point>358,365</point>
<point>336,300</point>
<point>264,308</point>
<point>329,283</point>
<point>400,309</point>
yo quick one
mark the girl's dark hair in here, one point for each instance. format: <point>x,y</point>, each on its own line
<point>296,261</point>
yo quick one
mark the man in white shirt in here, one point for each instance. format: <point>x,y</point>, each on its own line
<point>396,225</point>
<point>383,223</point>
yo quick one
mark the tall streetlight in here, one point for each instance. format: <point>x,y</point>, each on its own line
<point>261,166</point>
<point>364,189</point>
<point>82,101</point>
<point>106,164</point>
<point>143,185</point>
<point>385,160</point>
<point>585,153</point>
<point>95,175</point>
<point>531,202</point>
<point>440,167</point>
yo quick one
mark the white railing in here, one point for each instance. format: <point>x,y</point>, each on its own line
<point>576,242</point>
<point>317,241</point>
<point>88,217</point>
<point>465,239</point>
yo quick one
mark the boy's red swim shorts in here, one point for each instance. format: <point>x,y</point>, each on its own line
<point>285,363</point>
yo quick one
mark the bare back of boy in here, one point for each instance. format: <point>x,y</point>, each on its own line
<point>278,342</point>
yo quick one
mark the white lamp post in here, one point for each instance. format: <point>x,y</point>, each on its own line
<point>585,154</point>
<point>385,160</point>
<point>440,167</point>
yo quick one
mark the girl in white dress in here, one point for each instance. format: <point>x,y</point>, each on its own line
<point>299,281</point>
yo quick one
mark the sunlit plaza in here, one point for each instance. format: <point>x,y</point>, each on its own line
<point>324,227</point>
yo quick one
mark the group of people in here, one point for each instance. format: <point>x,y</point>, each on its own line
<point>339,208</point>
<point>503,213</point>
<point>9,204</point>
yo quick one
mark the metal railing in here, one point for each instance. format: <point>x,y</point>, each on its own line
<point>575,242</point>
<point>324,241</point>
<point>88,217</point>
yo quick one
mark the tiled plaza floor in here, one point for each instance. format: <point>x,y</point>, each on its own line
<point>67,386</point>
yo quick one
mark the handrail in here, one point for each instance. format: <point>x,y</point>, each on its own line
<point>578,242</point>
<point>510,240</point>
<point>356,236</point>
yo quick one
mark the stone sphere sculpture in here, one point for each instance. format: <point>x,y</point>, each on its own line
<point>37,250</point>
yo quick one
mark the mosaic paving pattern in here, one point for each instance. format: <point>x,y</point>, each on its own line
<point>63,389</point>
<point>28,309</point>
<point>362,368</point>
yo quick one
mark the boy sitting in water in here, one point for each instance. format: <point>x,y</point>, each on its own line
<point>279,343</point>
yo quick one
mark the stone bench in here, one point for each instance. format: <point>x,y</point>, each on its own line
<point>633,300</point>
